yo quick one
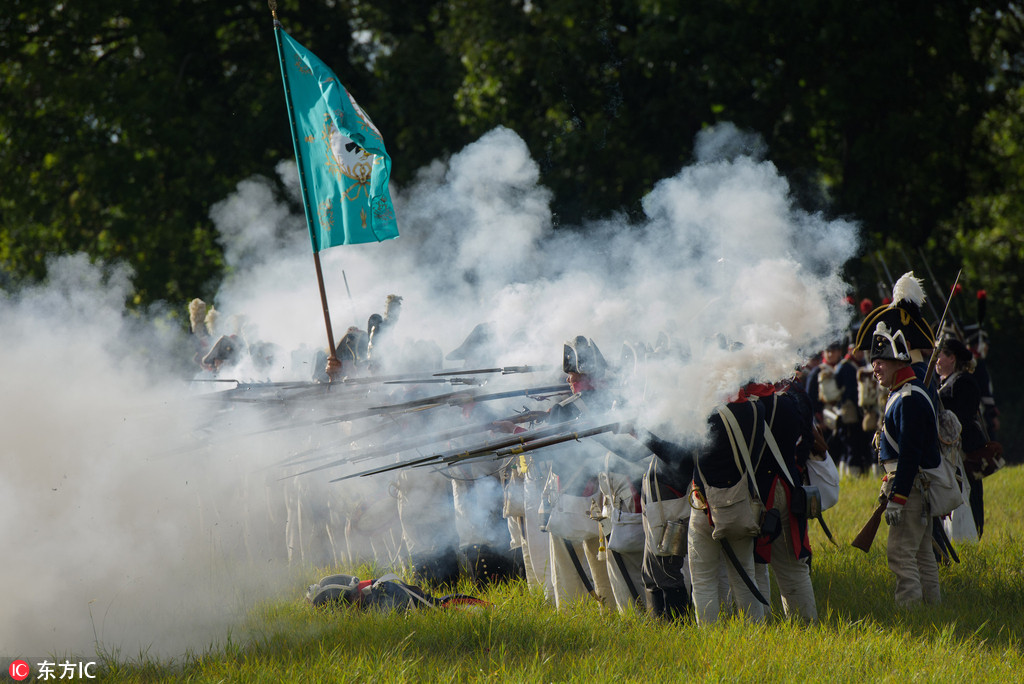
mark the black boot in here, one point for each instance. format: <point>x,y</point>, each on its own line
<point>518,564</point>
<point>677,603</point>
<point>655,602</point>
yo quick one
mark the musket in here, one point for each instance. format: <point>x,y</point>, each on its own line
<point>884,290</point>
<point>525,416</point>
<point>485,448</point>
<point>885,267</point>
<point>935,283</point>
<point>504,370</point>
<point>450,399</point>
<point>550,441</point>
<point>867,533</point>
<point>241,389</point>
<point>731,555</point>
<point>930,373</point>
<point>435,381</point>
<point>498,454</point>
<point>421,440</point>
<point>293,459</point>
<point>910,266</point>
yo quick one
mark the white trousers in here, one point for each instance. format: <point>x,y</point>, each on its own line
<point>910,556</point>
<point>569,586</point>
<point>706,563</point>
<point>792,574</point>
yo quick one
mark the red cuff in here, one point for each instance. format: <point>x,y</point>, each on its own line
<point>899,499</point>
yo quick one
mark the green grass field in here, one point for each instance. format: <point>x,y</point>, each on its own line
<point>974,635</point>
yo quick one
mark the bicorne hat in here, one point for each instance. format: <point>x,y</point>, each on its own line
<point>581,355</point>
<point>889,344</point>
<point>903,315</point>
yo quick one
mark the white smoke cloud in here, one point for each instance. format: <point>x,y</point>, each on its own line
<point>141,515</point>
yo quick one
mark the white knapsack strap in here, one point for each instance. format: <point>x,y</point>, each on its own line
<point>732,428</point>
<point>722,411</point>
<point>650,483</point>
<point>774,446</point>
<point>905,392</point>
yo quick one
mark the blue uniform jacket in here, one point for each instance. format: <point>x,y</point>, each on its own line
<point>910,434</point>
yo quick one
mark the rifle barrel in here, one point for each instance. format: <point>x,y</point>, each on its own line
<point>454,455</point>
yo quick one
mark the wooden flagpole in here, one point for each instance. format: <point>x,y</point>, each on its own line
<point>333,365</point>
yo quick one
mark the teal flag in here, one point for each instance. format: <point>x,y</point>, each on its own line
<point>343,166</point>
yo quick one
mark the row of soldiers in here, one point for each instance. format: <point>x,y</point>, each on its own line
<point>619,516</point>
<point>627,516</point>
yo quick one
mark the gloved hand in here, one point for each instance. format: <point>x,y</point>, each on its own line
<point>893,514</point>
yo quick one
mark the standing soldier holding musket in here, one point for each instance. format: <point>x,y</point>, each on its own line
<point>909,442</point>
<point>571,490</point>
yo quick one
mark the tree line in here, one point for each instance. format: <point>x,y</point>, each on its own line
<point>122,123</point>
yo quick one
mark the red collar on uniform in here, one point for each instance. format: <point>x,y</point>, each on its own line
<point>754,389</point>
<point>902,377</point>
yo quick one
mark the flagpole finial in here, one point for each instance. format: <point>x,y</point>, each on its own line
<point>273,8</point>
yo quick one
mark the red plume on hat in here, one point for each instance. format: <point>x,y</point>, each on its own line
<point>866,305</point>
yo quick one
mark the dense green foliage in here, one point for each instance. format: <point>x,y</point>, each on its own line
<point>123,123</point>
<point>974,635</point>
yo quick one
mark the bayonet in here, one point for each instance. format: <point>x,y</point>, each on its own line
<point>888,274</point>
<point>935,352</point>
<point>504,370</point>
<point>938,289</point>
<point>434,381</point>
<point>928,300</point>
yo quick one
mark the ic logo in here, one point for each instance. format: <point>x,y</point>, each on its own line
<point>19,670</point>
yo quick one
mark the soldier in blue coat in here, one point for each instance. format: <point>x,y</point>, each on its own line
<point>909,441</point>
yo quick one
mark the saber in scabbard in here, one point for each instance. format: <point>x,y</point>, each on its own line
<point>944,543</point>
<point>828,532</point>
<point>731,555</point>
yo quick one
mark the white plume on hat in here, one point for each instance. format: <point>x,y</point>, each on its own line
<point>196,313</point>
<point>908,289</point>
